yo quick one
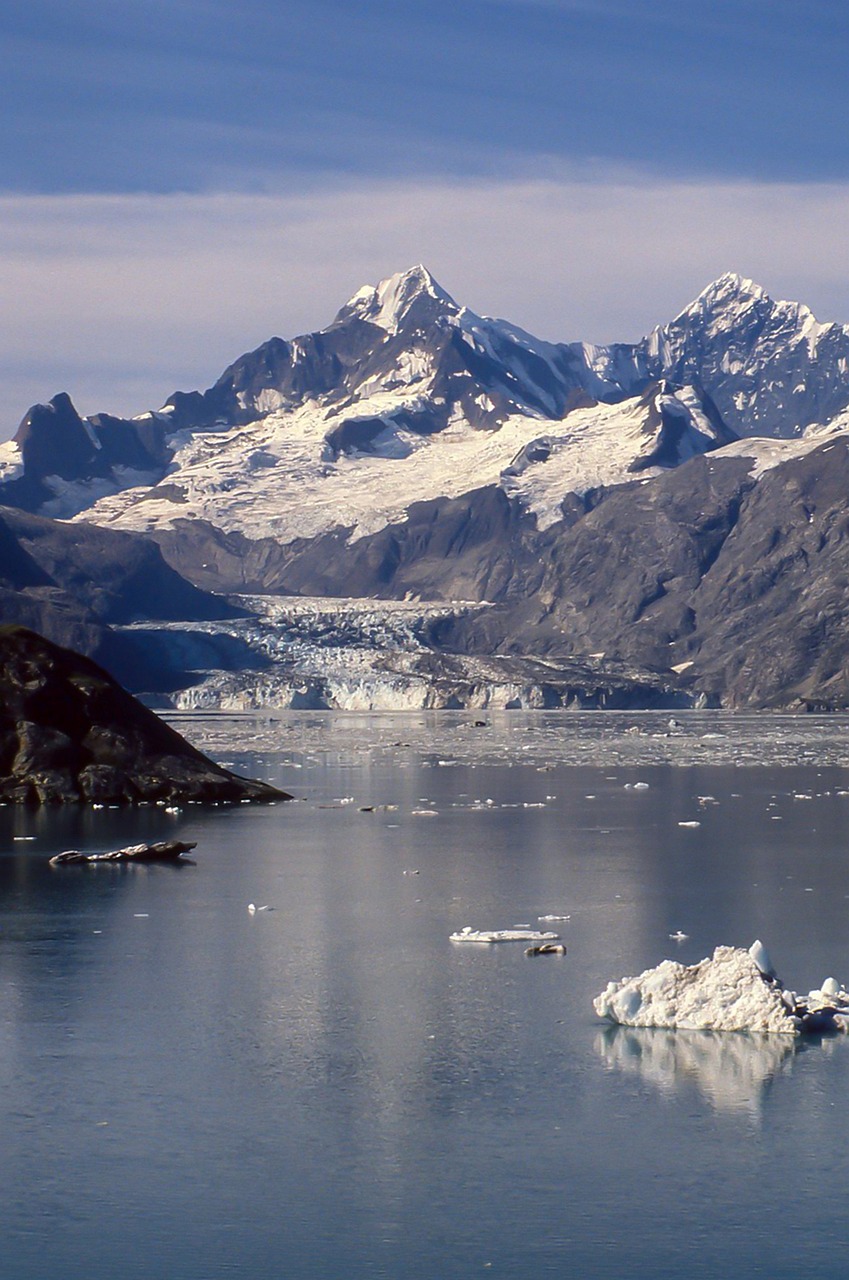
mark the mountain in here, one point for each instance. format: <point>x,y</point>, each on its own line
<point>770,367</point>
<point>337,424</point>
<point>56,452</point>
<point>604,500</point>
<point>725,578</point>
<point>404,397</point>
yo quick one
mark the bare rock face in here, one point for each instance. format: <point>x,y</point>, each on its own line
<point>70,733</point>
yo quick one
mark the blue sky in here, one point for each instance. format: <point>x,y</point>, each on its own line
<point>179,180</point>
<point>190,95</point>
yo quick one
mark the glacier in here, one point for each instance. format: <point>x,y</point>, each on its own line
<point>313,653</point>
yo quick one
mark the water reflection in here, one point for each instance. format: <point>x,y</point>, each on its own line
<point>731,1070</point>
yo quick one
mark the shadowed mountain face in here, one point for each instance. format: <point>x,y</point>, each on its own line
<point>74,583</point>
<point>738,585</point>
<point>69,733</point>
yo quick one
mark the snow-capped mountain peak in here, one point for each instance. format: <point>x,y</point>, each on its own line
<point>771,366</point>
<point>406,395</point>
<point>730,297</point>
<point>408,296</point>
<point>728,287</point>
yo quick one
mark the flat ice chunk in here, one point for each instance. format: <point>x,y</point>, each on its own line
<point>725,992</point>
<point>503,935</point>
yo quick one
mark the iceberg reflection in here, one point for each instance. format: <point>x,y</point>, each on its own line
<point>732,1070</point>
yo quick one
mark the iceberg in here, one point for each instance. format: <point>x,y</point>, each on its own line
<point>468,934</point>
<point>732,990</point>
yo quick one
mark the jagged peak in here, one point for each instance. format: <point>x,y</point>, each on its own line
<point>731,295</point>
<point>731,282</point>
<point>728,290</point>
<point>388,303</point>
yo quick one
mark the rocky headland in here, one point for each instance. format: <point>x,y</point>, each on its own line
<point>69,733</point>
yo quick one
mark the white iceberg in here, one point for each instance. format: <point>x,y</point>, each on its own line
<point>503,935</point>
<point>732,990</point>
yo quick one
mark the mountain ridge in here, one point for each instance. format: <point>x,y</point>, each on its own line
<point>603,500</point>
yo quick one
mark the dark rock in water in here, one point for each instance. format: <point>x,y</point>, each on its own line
<point>70,733</point>
<point>162,851</point>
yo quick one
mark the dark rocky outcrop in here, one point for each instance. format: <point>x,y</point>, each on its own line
<point>57,445</point>
<point>69,733</point>
<point>170,851</point>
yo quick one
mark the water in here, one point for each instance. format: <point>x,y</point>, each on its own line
<point>331,1088</point>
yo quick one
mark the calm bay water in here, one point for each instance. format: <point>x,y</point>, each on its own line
<point>330,1088</point>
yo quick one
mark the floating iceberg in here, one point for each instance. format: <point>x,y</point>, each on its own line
<point>503,935</point>
<point>733,990</point>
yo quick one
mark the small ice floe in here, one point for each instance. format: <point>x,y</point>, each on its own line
<point>689,824</point>
<point>253,909</point>
<point>411,871</point>
<point>732,990</point>
<point>21,838</point>
<point>468,934</point>
<point>552,919</point>
<point>679,936</point>
<point>424,813</point>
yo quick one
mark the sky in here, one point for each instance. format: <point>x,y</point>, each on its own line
<point>182,179</point>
